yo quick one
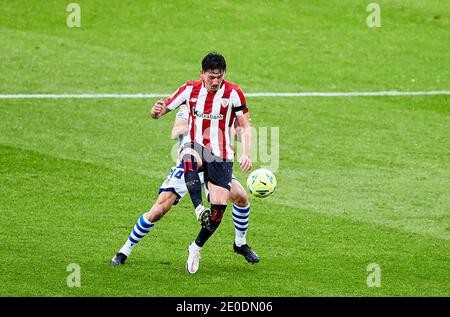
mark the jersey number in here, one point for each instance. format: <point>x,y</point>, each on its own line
<point>177,175</point>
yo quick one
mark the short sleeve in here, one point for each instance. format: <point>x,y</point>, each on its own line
<point>239,103</point>
<point>177,98</point>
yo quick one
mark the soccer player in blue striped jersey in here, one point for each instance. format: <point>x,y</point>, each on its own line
<point>173,189</point>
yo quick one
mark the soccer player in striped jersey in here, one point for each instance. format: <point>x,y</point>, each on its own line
<point>173,189</point>
<point>214,104</point>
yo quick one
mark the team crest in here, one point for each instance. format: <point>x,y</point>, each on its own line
<point>225,102</point>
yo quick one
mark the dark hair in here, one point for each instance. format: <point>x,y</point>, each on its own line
<point>214,61</point>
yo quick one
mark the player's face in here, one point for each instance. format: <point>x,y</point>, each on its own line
<point>212,78</point>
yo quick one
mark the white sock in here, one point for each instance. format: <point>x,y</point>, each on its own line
<point>195,247</point>
<point>127,248</point>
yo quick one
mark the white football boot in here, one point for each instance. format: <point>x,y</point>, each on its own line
<point>193,261</point>
<point>202,214</point>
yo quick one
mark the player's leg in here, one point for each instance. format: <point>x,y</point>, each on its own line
<point>145,224</point>
<point>162,205</point>
<point>240,216</point>
<point>191,158</point>
<point>219,197</point>
<point>218,178</point>
<point>170,192</point>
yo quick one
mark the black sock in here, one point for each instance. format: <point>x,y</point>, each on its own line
<point>214,221</point>
<point>203,236</point>
<point>192,179</point>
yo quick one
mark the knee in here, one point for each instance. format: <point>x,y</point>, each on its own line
<point>240,198</point>
<point>220,198</point>
<point>191,161</point>
<point>157,212</point>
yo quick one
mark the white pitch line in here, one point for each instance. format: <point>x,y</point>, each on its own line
<point>347,94</point>
<point>258,94</point>
<point>82,96</point>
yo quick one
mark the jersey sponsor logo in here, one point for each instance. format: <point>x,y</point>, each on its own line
<point>208,116</point>
<point>193,100</point>
<point>225,102</point>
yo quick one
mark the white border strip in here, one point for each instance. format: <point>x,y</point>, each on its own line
<point>258,94</point>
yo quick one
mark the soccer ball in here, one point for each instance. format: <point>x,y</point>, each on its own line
<point>261,183</point>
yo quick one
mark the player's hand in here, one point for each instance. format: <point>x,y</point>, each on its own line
<point>245,163</point>
<point>158,109</point>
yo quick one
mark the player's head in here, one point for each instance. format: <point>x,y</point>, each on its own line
<point>213,69</point>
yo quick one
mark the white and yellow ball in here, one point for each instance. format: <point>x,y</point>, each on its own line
<point>261,183</point>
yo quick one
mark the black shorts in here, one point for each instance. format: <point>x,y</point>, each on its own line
<point>217,170</point>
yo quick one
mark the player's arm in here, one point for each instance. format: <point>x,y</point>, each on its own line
<point>162,107</point>
<point>240,110</point>
<point>246,140</point>
<point>159,109</point>
<point>180,127</point>
<point>235,131</point>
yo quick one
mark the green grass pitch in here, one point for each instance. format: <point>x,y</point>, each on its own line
<point>361,180</point>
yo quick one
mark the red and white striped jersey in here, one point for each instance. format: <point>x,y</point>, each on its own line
<point>211,114</point>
